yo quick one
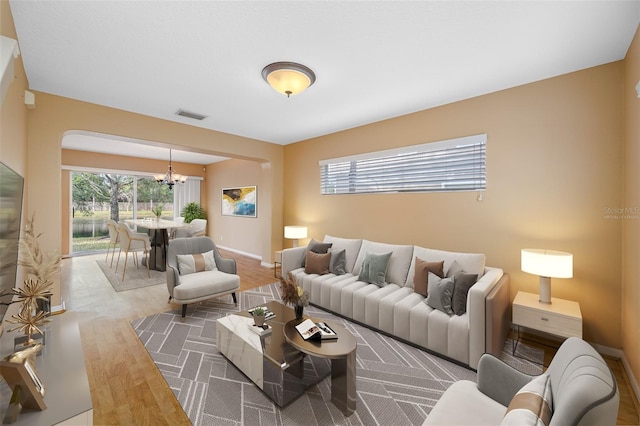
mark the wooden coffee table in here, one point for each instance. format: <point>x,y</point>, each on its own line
<point>341,352</point>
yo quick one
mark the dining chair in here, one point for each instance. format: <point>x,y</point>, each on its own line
<point>114,239</point>
<point>172,232</point>
<point>132,242</point>
<point>197,228</point>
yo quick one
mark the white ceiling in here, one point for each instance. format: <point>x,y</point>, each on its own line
<point>373,59</point>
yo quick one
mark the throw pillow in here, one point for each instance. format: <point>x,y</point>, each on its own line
<point>317,247</point>
<point>461,285</point>
<point>317,263</point>
<point>440,293</point>
<point>455,269</point>
<point>421,277</point>
<point>198,262</point>
<point>374,268</point>
<point>532,404</point>
<point>338,262</point>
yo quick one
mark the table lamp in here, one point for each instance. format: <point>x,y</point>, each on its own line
<point>295,233</point>
<point>547,264</point>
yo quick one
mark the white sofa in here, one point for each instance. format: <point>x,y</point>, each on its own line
<point>397,310</point>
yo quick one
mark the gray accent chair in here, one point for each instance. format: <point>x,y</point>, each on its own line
<point>583,390</point>
<point>203,285</point>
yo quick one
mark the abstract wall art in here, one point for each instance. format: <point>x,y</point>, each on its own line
<point>239,201</point>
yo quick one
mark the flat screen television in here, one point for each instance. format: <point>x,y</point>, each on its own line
<point>11,191</point>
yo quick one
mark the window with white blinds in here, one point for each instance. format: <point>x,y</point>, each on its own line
<point>450,165</point>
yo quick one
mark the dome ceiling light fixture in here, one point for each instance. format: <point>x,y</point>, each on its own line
<point>288,78</point>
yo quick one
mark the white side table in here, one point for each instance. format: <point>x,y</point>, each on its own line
<point>560,318</point>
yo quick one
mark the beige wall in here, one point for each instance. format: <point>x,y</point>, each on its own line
<point>631,226</point>
<point>554,156</point>
<point>82,159</point>
<point>54,116</point>
<point>240,233</point>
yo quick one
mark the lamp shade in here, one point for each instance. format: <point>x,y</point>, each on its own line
<point>547,263</point>
<point>295,232</point>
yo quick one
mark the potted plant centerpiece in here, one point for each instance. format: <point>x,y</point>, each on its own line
<point>293,294</point>
<point>157,211</point>
<point>259,316</point>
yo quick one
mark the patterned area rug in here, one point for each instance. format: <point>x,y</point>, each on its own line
<point>135,277</point>
<point>396,383</point>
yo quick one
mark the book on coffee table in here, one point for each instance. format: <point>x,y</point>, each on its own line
<point>315,331</point>
<point>326,332</point>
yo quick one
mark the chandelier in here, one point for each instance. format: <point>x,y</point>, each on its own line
<point>170,178</point>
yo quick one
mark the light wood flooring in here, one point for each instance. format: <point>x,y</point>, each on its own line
<point>126,387</point>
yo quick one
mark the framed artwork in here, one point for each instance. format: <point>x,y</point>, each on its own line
<point>239,201</point>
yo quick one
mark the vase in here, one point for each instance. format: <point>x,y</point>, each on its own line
<point>298,309</point>
<point>259,320</point>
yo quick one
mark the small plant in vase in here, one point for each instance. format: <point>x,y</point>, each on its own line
<point>293,294</point>
<point>157,211</point>
<point>259,316</point>
<point>36,291</point>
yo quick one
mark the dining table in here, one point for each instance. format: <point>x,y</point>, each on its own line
<point>158,230</point>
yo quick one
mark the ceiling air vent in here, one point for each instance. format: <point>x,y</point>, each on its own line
<point>190,114</point>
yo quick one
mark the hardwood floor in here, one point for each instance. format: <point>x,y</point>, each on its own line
<point>126,387</point>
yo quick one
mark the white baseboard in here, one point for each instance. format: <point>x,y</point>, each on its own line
<point>606,350</point>
<point>618,353</point>
<point>632,378</point>
<point>251,255</point>
<point>244,253</point>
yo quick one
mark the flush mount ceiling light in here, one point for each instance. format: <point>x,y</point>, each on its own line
<point>288,78</point>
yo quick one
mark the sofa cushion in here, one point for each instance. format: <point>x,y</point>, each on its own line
<point>374,268</point>
<point>462,283</point>
<point>316,247</point>
<point>399,262</point>
<point>350,246</point>
<point>472,263</point>
<point>462,404</point>
<point>198,262</point>
<point>205,284</point>
<point>337,264</point>
<point>317,263</point>
<point>455,269</point>
<point>440,293</point>
<point>421,276</point>
<point>531,405</point>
